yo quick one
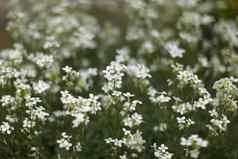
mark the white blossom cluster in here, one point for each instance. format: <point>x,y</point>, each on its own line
<point>79,107</point>
<point>158,97</point>
<point>42,60</point>
<point>183,122</point>
<point>161,152</point>
<point>40,86</point>
<point>132,136</point>
<point>64,142</point>
<point>5,128</point>
<point>139,71</point>
<point>114,74</point>
<point>194,143</point>
<point>174,50</point>
<point>99,79</point>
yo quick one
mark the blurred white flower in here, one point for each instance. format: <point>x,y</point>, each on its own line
<point>174,50</point>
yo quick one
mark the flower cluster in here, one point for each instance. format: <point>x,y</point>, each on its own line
<point>194,143</point>
<point>64,142</point>
<point>108,79</point>
<point>114,74</point>
<point>5,128</point>
<point>161,152</point>
<point>79,107</point>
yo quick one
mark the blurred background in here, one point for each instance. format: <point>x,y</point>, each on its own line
<point>4,37</point>
<point>103,9</point>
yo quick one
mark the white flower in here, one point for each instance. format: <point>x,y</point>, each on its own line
<point>134,120</point>
<point>163,127</point>
<point>221,124</point>
<point>158,97</point>
<point>7,100</point>
<point>213,113</point>
<point>7,73</point>
<point>80,107</point>
<point>139,71</point>
<point>136,4</point>
<point>193,140</point>
<point>148,46</point>
<point>194,143</point>
<point>123,156</point>
<point>161,152</point>
<point>184,123</point>
<point>51,42</point>
<point>187,3</point>
<point>42,60</point>
<point>202,102</point>
<point>32,101</point>
<point>64,142</point>
<point>79,118</point>
<point>11,118</point>
<point>38,112</point>
<point>183,108</point>
<point>122,55</point>
<point>115,142</point>
<point>133,141</point>
<point>128,95</point>
<point>131,106</point>
<point>14,55</point>
<point>28,123</point>
<point>174,50</point>
<point>78,147</point>
<point>83,38</point>
<point>68,100</point>
<point>90,72</point>
<point>194,153</point>
<point>67,69</point>
<point>114,74</point>
<point>5,128</point>
<point>40,86</point>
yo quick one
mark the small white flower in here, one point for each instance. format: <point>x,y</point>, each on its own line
<point>40,86</point>
<point>64,142</point>
<point>174,50</point>
<point>139,71</point>
<point>114,74</point>
<point>133,120</point>
<point>163,127</point>
<point>38,112</point>
<point>221,124</point>
<point>7,100</point>
<point>122,55</point>
<point>83,38</point>
<point>51,42</point>
<point>193,139</point>
<point>79,118</point>
<point>115,142</point>
<point>194,143</point>
<point>5,128</point>
<point>161,152</point>
<point>183,108</point>
<point>194,153</point>
<point>80,107</point>
<point>42,60</point>
<point>158,97</point>
<point>134,141</point>
<point>78,147</point>
<point>123,156</point>
<point>184,123</point>
<point>28,123</point>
